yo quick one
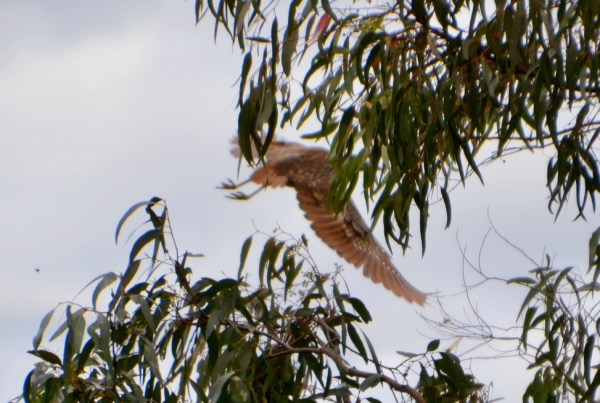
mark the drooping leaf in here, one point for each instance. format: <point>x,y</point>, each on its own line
<point>151,359</point>
<point>46,356</point>
<point>142,241</point>
<point>37,339</point>
<point>361,309</point>
<point>244,254</point>
<point>107,279</point>
<point>132,210</point>
<point>370,382</point>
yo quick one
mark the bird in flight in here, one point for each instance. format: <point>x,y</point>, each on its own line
<point>307,169</point>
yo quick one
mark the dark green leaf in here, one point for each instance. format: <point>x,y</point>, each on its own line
<point>145,239</point>
<point>129,212</point>
<point>46,356</point>
<point>244,254</point>
<point>361,309</point>
<point>357,342</point>
<point>433,345</point>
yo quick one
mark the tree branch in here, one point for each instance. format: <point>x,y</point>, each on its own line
<point>342,367</point>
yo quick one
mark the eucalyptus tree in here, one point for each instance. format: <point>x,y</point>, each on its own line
<point>415,95</point>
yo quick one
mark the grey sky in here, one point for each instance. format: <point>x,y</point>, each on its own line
<point>104,104</point>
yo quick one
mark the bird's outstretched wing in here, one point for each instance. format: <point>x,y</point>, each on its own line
<point>345,233</point>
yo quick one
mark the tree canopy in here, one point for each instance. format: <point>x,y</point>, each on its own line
<point>294,337</point>
<point>420,94</point>
<point>165,339</point>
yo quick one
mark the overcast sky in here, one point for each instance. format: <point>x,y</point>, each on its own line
<point>104,104</point>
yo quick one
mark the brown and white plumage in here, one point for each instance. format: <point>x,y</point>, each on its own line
<point>307,169</point>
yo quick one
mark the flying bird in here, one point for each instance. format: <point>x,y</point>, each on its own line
<point>307,169</point>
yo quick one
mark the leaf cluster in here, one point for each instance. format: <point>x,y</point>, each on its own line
<point>420,87</point>
<point>163,337</point>
<point>560,331</point>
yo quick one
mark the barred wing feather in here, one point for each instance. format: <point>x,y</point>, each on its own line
<point>345,233</point>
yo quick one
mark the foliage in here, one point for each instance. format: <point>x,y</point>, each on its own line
<point>560,309</point>
<point>422,89</point>
<point>165,339</point>
<point>557,325</point>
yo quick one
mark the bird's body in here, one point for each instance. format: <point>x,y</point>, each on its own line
<point>307,169</point>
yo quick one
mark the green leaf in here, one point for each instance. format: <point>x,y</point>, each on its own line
<point>370,382</point>
<point>327,8</point>
<point>588,350</point>
<point>100,332</point>
<point>141,301</point>
<point>217,387</point>
<point>37,339</point>
<point>27,397</point>
<point>198,8</point>
<point>304,312</point>
<point>107,279</point>
<point>77,327</point>
<point>373,353</point>
<point>527,325</point>
<point>291,275</point>
<point>357,342</point>
<point>84,356</point>
<point>131,271</point>
<point>361,309</point>
<point>344,128</point>
<point>132,210</point>
<point>593,387</point>
<point>151,359</point>
<point>241,16</point>
<point>192,255</point>
<point>407,354</point>
<point>327,387</point>
<point>446,199</point>
<point>290,40</point>
<point>64,326</point>
<point>46,356</point>
<point>244,254</point>
<point>530,295</point>
<point>522,280</point>
<point>593,250</point>
<point>142,241</point>
<point>433,345</point>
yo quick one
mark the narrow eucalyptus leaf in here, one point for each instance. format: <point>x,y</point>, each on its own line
<point>447,204</point>
<point>129,212</point>
<point>141,301</point>
<point>370,382</point>
<point>37,339</point>
<point>107,279</point>
<point>290,41</point>
<point>151,359</point>
<point>217,387</point>
<point>361,309</point>
<point>47,356</point>
<point>64,326</point>
<point>145,239</point>
<point>373,353</point>
<point>593,250</point>
<point>244,254</point>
